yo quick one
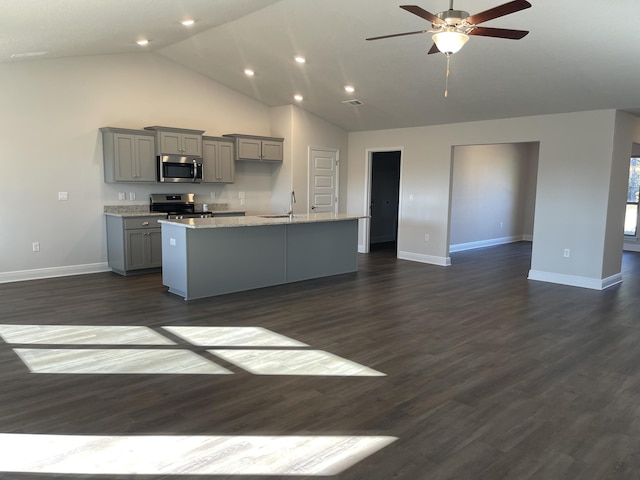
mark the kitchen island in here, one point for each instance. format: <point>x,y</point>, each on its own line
<point>204,257</point>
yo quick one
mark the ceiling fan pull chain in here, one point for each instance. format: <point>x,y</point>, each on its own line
<point>446,81</point>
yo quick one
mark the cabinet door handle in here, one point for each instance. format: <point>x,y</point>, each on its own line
<point>145,223</point>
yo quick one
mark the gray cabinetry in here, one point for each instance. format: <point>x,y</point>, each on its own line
<point>134,244</point>
<point>217,160</point>
<point>129,155</point>
<point>262,149</point>
<point>178,141</point>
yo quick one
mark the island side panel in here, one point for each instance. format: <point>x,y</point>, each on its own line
<point>321,249</point>
<point>233,259</point>
<point>174,259</point>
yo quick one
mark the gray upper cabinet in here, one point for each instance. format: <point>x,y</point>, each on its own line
<point>217,160</point>
<point>262,149</point>
<point>129,155</point>
<point>178,141</point>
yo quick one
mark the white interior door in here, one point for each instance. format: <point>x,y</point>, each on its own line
<point>323,180</point>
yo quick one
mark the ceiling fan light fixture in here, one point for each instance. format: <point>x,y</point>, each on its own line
<point>449,42</point>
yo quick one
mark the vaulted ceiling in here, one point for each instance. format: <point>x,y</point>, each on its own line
<point>580,54</point>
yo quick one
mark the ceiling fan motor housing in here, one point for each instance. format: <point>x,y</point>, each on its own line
<point>452,17</point>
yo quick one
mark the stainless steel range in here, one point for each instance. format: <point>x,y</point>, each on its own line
<point>176,205</point>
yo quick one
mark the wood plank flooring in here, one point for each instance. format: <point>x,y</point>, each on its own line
<point>486,375</point>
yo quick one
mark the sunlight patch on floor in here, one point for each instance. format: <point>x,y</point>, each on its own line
<point>82,335</point>
<point>185,454</point>
<point>233,337</point>
<point>295,362</point>
<point>249,348</point>
<point>117,361</point>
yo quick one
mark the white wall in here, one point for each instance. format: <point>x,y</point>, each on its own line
<point>50,142</point>
<point>303,130</point>
<point>572,197</point>
<point>490,193</point>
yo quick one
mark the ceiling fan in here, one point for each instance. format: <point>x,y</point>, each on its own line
<point>451,28</point>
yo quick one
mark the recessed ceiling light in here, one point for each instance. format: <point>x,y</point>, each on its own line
<point>248,72</point>
<point>143,42</point>
<point>188,22</point>
<point>349,88</point>
<point>300,59</point>
<point>298,97</point>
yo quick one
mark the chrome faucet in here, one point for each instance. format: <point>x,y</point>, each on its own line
<point>291,202</point>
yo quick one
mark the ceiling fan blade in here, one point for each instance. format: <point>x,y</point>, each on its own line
<point>398,35</point>
<point>416,10</point>
<point>499,33</point>
<point>433,49</point>
<point>499,11</point>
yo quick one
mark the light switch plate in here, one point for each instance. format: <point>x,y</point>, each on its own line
<point>63,196</point>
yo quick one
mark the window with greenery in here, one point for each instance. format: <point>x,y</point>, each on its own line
<point>631,217</point>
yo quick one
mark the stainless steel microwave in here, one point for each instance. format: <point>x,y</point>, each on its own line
<point>176,168</point>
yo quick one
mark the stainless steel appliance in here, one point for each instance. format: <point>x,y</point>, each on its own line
<point>176,205</point>
<point>176,168</point>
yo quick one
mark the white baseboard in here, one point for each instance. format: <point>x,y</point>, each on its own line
<point>38,273</point>
<point>631,247</point>
<point>576,281</point>
<point>487,243</point>
<point>417,257</point>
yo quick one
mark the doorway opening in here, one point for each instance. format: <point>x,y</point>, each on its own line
<point>384,200</point>
<point>493,194</point>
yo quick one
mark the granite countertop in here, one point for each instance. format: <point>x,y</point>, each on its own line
<point>236,212</point>
<point>256,221</point>
<point>131,211</point>
<point>143,210</point>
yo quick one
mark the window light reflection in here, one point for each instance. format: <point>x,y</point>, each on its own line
<point>185,454</point>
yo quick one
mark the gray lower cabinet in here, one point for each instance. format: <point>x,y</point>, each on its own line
<point>217,160</point>
<point>134,244</point>
<point>262,149</point>
<point>129,155</point>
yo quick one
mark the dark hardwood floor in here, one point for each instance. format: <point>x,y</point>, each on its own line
<point>488,375</point>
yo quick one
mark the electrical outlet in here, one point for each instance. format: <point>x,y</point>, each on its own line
<point>63,196</point>
<point>411,197</point>
<point>132,195</point>
<point>172,242</point>
<point>567,253</point>
<point>426,237</point>
<point>242,201</point>
<point>213,195</point>
<point>35,246</point>
<point>122,196</point>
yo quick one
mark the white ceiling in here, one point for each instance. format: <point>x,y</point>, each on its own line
<point>580,54</point>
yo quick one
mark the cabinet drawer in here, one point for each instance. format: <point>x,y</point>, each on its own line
<point>142,222</point>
